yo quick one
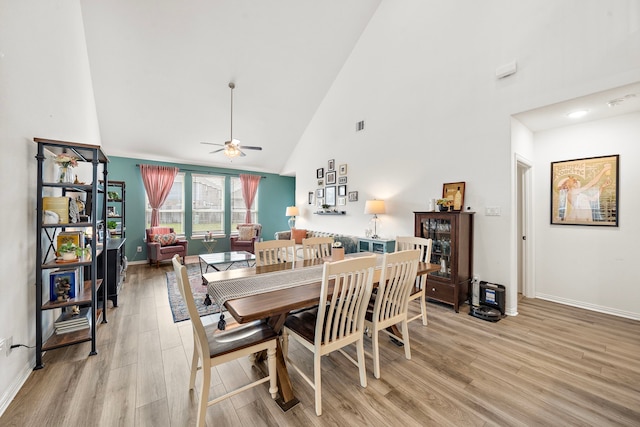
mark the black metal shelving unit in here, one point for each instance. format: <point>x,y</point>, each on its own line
<point>45,249</point>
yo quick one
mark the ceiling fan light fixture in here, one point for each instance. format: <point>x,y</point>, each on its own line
<point>231,150</point>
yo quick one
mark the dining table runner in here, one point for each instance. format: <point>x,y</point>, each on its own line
<point>223,290</point>
<point>227,289</point>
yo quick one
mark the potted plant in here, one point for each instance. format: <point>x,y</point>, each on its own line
<point>442,204</point>
<point>325,208</point>
<point>111,225</point>
<point>69,251</point>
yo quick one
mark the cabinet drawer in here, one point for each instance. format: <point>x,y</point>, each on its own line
<point>440,291</point>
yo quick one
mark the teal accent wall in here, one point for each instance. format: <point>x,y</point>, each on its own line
<point>276,193</point>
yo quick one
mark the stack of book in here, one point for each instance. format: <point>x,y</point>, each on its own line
<point>70,321</point>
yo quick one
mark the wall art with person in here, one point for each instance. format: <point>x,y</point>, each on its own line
<point>585,191</point>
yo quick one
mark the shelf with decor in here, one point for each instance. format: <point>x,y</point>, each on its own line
<point>116,197</point>
<point>69,213</point>
<point>331,213</point>
<point>452,248</point>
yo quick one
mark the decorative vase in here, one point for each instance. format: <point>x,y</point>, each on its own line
<point>66,176</point>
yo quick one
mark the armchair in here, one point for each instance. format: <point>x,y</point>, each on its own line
<point>162,245</point>
<point>248,234</point>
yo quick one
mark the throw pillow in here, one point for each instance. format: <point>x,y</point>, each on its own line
<point>245,233</point>
<point>298,235</point>
<point>165,239</point>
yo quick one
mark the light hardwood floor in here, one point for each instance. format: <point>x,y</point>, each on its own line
<point>550,365</point>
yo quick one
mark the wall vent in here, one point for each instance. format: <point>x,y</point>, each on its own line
<point>360,126</point>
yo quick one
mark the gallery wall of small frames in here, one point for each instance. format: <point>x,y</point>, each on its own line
<point>332,192</point>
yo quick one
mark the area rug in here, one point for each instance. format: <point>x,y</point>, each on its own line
<point>178,307</point>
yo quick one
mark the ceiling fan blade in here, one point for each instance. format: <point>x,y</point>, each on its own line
<point>212,143</point>
<point>248,147</point>
<point>216,151</point>
<point>241,153</point>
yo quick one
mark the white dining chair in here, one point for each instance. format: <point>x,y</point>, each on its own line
<point>316,247</point>
<point>419,290</point>
<point>398,276</point>
<point>270,252</point>
<point>212,347</point>
<point>336,322</point>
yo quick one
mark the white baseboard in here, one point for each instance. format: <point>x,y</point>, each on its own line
<point>15,387</point>
<point>592,307</point>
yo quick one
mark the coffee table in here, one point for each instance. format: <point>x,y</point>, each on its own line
<point>214,259</point>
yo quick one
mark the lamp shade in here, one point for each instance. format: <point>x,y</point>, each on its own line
<point>374,207</point>
<point>292,211</point>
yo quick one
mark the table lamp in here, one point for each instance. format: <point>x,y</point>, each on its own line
<point>374,207</point>
<point>292,212</point>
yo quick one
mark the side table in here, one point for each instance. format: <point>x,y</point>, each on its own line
<point>209,244</point>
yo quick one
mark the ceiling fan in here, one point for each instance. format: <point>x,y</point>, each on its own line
<point>232,147</point>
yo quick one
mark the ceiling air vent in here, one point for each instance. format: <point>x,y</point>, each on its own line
<point>360,126</point>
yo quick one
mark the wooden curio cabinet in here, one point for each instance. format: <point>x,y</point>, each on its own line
<point>452,249</point>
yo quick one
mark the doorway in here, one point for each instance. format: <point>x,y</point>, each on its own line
<point>524,234</point>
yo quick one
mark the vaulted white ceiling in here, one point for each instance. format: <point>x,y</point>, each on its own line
<point>161,68</point>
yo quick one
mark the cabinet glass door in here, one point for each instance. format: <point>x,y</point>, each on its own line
<point>439,231</point>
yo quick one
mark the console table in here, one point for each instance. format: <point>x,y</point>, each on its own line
<point>115,268</point>
<point>379,246</point>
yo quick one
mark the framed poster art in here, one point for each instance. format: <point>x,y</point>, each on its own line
<point>585,191</point>
<point>342,170</point>
<point>342,180</point>
<point>320,173</point>
<point>353,196</point>
<point>342,190</point>
<point>331,165</point>
<point>330,195</point>
<point>330,177</point>
<point>450,191</point>
<point>320,192</point>
<point>342,201</point>
<point>310,197</point>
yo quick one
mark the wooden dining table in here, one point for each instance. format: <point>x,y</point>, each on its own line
<point>274,305</point>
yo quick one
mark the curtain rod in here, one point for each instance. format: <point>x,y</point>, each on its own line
<point>207,172</point>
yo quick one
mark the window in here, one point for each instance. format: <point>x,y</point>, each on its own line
<point>207,198</point>
<point>172,211</point>
<point>238,209</point>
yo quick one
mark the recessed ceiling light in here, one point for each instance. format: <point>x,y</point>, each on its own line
<point>577,114</point>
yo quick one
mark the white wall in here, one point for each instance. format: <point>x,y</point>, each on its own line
<point>590,266</point>
<point>422,77</point>
<point>45,92</point>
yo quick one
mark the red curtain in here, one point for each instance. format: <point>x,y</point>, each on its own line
<point>249,189</point>
<point>158,181</point>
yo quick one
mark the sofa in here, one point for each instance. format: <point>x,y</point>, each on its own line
<point>349,243</point>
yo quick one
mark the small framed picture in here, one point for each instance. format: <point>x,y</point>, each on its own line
<point>342,190</point>
<point>330,178</point>
<point>320,193</point>
<point>353,196</point>
<point>330,196</point>
<point>342,180</point>
<point>319,202</point>
<point>342,201</point>
<point>331,165</point>
<point>320,182</point>
<point>311,197</point>
<point>450,191</point>
<point>320,173</point>
<point>343,169</point>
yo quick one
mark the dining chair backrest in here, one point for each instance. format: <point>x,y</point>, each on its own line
<point>274,251</point>
<point>316,247</point>
<point>341,317</point>
<point>399,270</point>
<point>404,243</point>
<point>199,334</point>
